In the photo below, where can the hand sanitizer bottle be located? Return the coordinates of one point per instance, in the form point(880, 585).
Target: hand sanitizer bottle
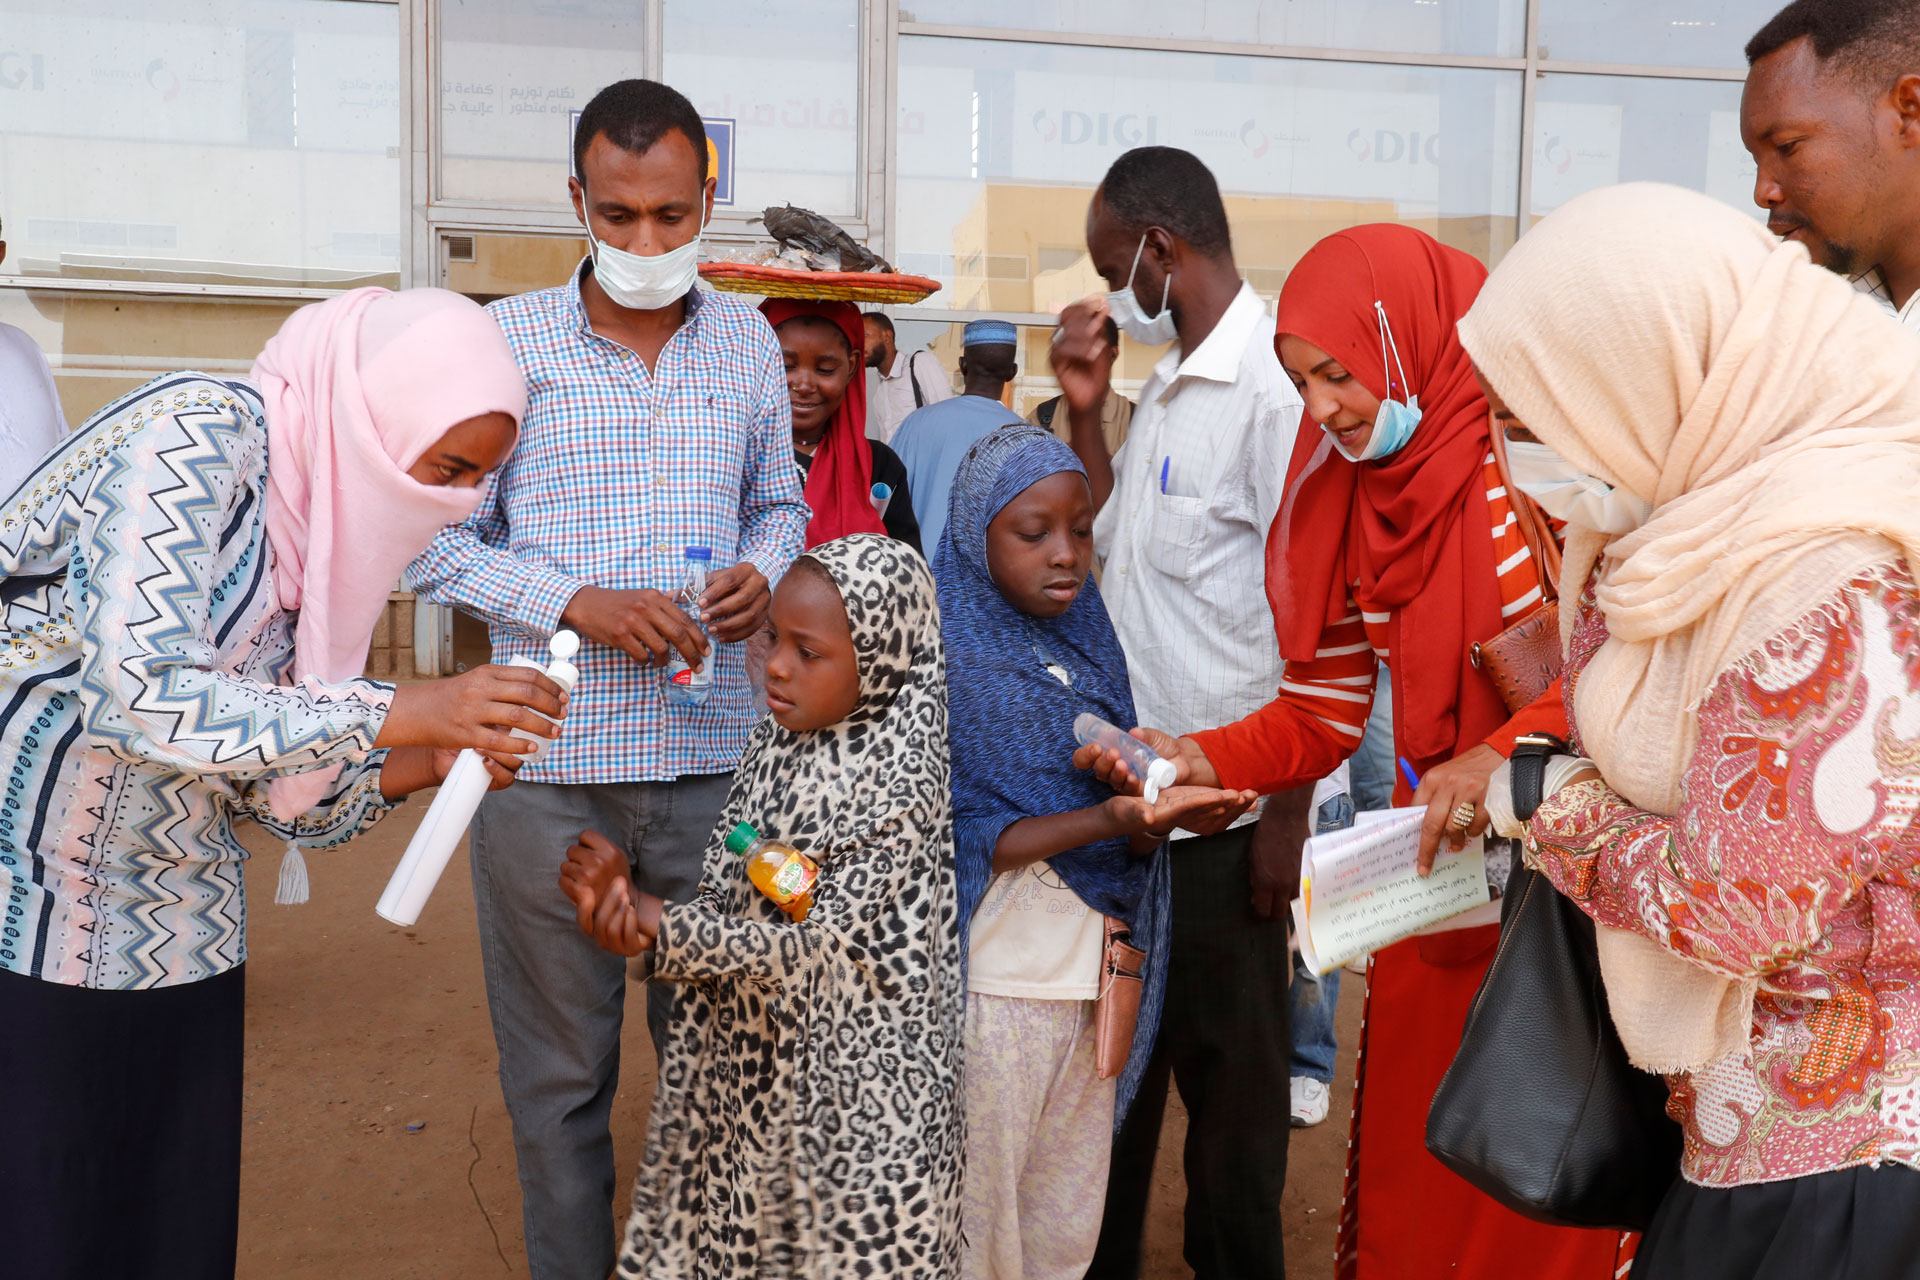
point(1149, 767)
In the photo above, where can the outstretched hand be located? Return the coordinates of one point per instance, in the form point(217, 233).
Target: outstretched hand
point(1204, 811)
point(617, 916)
point(1201, 810)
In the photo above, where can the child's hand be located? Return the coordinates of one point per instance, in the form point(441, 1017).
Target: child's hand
point(1204, 811)
point(627, 921)
point(596, 879)
point(1130, 815)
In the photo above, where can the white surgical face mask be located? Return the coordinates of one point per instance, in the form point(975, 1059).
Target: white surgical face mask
point(1149, 331)
point(645, 284)
point(1567, 493)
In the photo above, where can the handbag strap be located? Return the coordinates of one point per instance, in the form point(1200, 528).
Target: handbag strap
point(1531, 519)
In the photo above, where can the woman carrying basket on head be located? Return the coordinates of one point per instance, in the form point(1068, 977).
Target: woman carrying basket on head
point(853, 484)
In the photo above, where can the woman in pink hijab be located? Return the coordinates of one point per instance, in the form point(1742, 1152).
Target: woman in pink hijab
point(188, 588)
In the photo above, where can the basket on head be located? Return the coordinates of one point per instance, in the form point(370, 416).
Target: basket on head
point(871, 287)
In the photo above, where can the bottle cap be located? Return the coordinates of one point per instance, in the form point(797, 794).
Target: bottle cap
point(1159, 774)
point(564, 645)
point(699, 553)
point(741, 838)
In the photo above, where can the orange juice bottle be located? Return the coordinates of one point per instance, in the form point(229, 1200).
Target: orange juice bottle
point(780, 871)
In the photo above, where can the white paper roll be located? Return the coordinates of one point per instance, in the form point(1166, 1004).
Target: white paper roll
point(453, 808)
point(433, 843)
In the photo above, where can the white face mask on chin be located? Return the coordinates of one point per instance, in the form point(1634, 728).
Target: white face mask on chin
point(645, 284)
point(1149, 331)
point(1567, 493)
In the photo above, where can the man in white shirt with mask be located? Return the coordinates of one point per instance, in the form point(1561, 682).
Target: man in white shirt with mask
point(1183, 512)
point(30, 418)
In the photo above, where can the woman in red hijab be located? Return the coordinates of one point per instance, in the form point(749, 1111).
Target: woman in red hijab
point(853, 484)
point(1396, 543)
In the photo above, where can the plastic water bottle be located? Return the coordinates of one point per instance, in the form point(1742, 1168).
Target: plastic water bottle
point(685, 686)
point(1153, 770)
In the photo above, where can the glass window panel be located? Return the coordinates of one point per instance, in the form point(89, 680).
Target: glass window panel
point(1593, 131)
point(1666, 33)
point(1493, 28)
point(102, 345)
point(1001, 145)
point(222, 141)
point(511, 73)
point(787, 72)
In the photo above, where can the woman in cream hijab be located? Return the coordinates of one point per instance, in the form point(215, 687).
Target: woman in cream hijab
point(1741, 674)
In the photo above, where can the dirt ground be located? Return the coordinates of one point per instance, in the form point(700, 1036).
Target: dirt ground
point(376, 1141)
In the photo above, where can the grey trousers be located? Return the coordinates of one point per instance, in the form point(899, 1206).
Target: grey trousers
point(557, 999)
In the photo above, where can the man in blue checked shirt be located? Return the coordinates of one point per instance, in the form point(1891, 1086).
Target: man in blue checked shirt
point(657, 420)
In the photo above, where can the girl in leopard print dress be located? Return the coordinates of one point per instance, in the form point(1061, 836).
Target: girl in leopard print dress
point(807, 1122)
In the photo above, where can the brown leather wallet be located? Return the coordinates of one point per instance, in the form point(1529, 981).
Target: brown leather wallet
point(1116, 1011)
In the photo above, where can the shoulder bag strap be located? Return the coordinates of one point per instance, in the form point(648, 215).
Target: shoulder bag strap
point(1533, 523)
point(913, 380)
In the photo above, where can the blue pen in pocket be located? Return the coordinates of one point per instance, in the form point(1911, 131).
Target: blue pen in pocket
point(1165, 463)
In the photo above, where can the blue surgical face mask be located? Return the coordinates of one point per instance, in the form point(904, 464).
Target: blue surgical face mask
point(1394, 422)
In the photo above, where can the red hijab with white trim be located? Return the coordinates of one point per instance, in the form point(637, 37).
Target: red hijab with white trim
point(1409, 533)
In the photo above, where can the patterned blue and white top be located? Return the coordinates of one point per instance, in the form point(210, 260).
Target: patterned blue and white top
point(617, 471)
point(141, 710)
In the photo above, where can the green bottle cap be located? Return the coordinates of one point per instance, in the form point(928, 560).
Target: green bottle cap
point(741, 838)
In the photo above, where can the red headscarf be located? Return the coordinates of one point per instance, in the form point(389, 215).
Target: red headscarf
point(1409, 532)
point(840, 482)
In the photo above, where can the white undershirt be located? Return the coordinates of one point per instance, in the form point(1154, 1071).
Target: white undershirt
point(1033, 939)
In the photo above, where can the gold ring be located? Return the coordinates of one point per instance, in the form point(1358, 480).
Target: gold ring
point(1463, 815)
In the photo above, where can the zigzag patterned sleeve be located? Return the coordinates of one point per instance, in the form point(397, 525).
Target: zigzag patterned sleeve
point(352, 805)
point(148, 566)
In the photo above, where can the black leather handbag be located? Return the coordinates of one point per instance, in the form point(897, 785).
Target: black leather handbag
point(1541, 1109)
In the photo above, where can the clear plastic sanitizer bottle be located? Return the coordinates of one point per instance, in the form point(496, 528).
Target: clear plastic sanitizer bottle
point(685, 686)
point(1153, 771)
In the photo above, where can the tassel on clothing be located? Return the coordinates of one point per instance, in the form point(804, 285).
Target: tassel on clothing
point(292, 889)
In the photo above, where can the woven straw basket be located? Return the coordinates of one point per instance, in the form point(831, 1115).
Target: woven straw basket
point(843, 286)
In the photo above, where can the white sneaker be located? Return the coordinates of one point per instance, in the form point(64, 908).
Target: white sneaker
point(1310, 1102)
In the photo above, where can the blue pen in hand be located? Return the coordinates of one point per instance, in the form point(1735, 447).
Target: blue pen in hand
point(1406, 771)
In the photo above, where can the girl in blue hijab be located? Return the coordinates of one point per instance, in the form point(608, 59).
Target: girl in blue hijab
point(1044, 852)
